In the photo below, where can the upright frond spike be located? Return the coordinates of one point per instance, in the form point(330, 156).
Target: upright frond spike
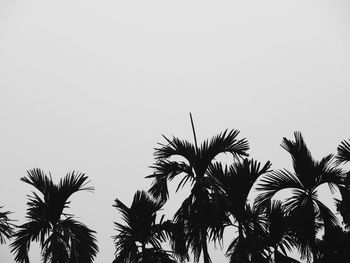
point(194, 133)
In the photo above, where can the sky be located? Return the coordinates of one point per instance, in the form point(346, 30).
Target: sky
point(92, 85)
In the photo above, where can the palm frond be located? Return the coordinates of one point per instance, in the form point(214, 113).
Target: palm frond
point(343, 152)
point(327, 216)
point(6, 227)
point(37, 209)
point(237, 251)
point(280, 232)
point(144, 204)
point(154, 255)
point(218, 171)
point(31, 231)
point(273, 182)
point(124, 210)
point(51, 206)
point(37, 178)
point(176, 234)
point(303, 163)
point(55, 248)
point(72, 183)
point(225, 142)
point(236, 182)
point(176, 147)
point(243, 174)
point(125, 243)
point(165, 171)
point(82, 240)
point(298, 197)
point(126, 251)
point(139, 226)
point(305, 225)
point(328, 172)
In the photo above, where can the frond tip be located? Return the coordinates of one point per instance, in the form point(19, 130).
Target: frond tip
point(6, 227)
point(343, 154)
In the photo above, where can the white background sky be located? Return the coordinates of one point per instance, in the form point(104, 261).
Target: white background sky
point(91, 86)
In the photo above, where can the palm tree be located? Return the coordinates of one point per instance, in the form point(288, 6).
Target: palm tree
point(139, 239)
point(62, 238)
point(6, 227)
point(309, 214)
point(198, 211)
point(234, 184)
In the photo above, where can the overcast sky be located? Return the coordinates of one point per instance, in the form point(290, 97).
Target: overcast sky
point(92, 85)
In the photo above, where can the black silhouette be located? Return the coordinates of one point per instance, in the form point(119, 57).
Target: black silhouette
point(139, 239)
point(234, 185)
point(343, 156)
point(273, 211)
point(198, 213)
point(6, 227)
point(62, 238)
point(308, 213)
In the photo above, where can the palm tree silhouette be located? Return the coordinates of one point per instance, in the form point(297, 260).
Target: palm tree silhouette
point(198, 212)
point(62, 238)
point(309, 214)
point(343, 206)
point(139, 239)
point(6, 227)
point(234, 183)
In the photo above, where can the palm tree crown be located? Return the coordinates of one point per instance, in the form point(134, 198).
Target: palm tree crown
point(62, 238)
point(307, 211)
point(198, 212)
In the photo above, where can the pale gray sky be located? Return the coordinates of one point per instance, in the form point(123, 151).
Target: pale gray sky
point(91, 86)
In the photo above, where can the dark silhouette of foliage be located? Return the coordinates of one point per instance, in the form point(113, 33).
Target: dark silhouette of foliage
point(233, 185)
point(6, 227)
point(334, 246)
point(343, 205)
point(307, 212)
point(198, 214)
point(343, 154)
point(139, 239)
point(273, 211)
point(62, 238)
point(280, 235)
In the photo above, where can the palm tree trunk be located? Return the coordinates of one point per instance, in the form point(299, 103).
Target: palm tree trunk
point(143, 249)
point(206, 258)
point(242, 253)
point(240, 230)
